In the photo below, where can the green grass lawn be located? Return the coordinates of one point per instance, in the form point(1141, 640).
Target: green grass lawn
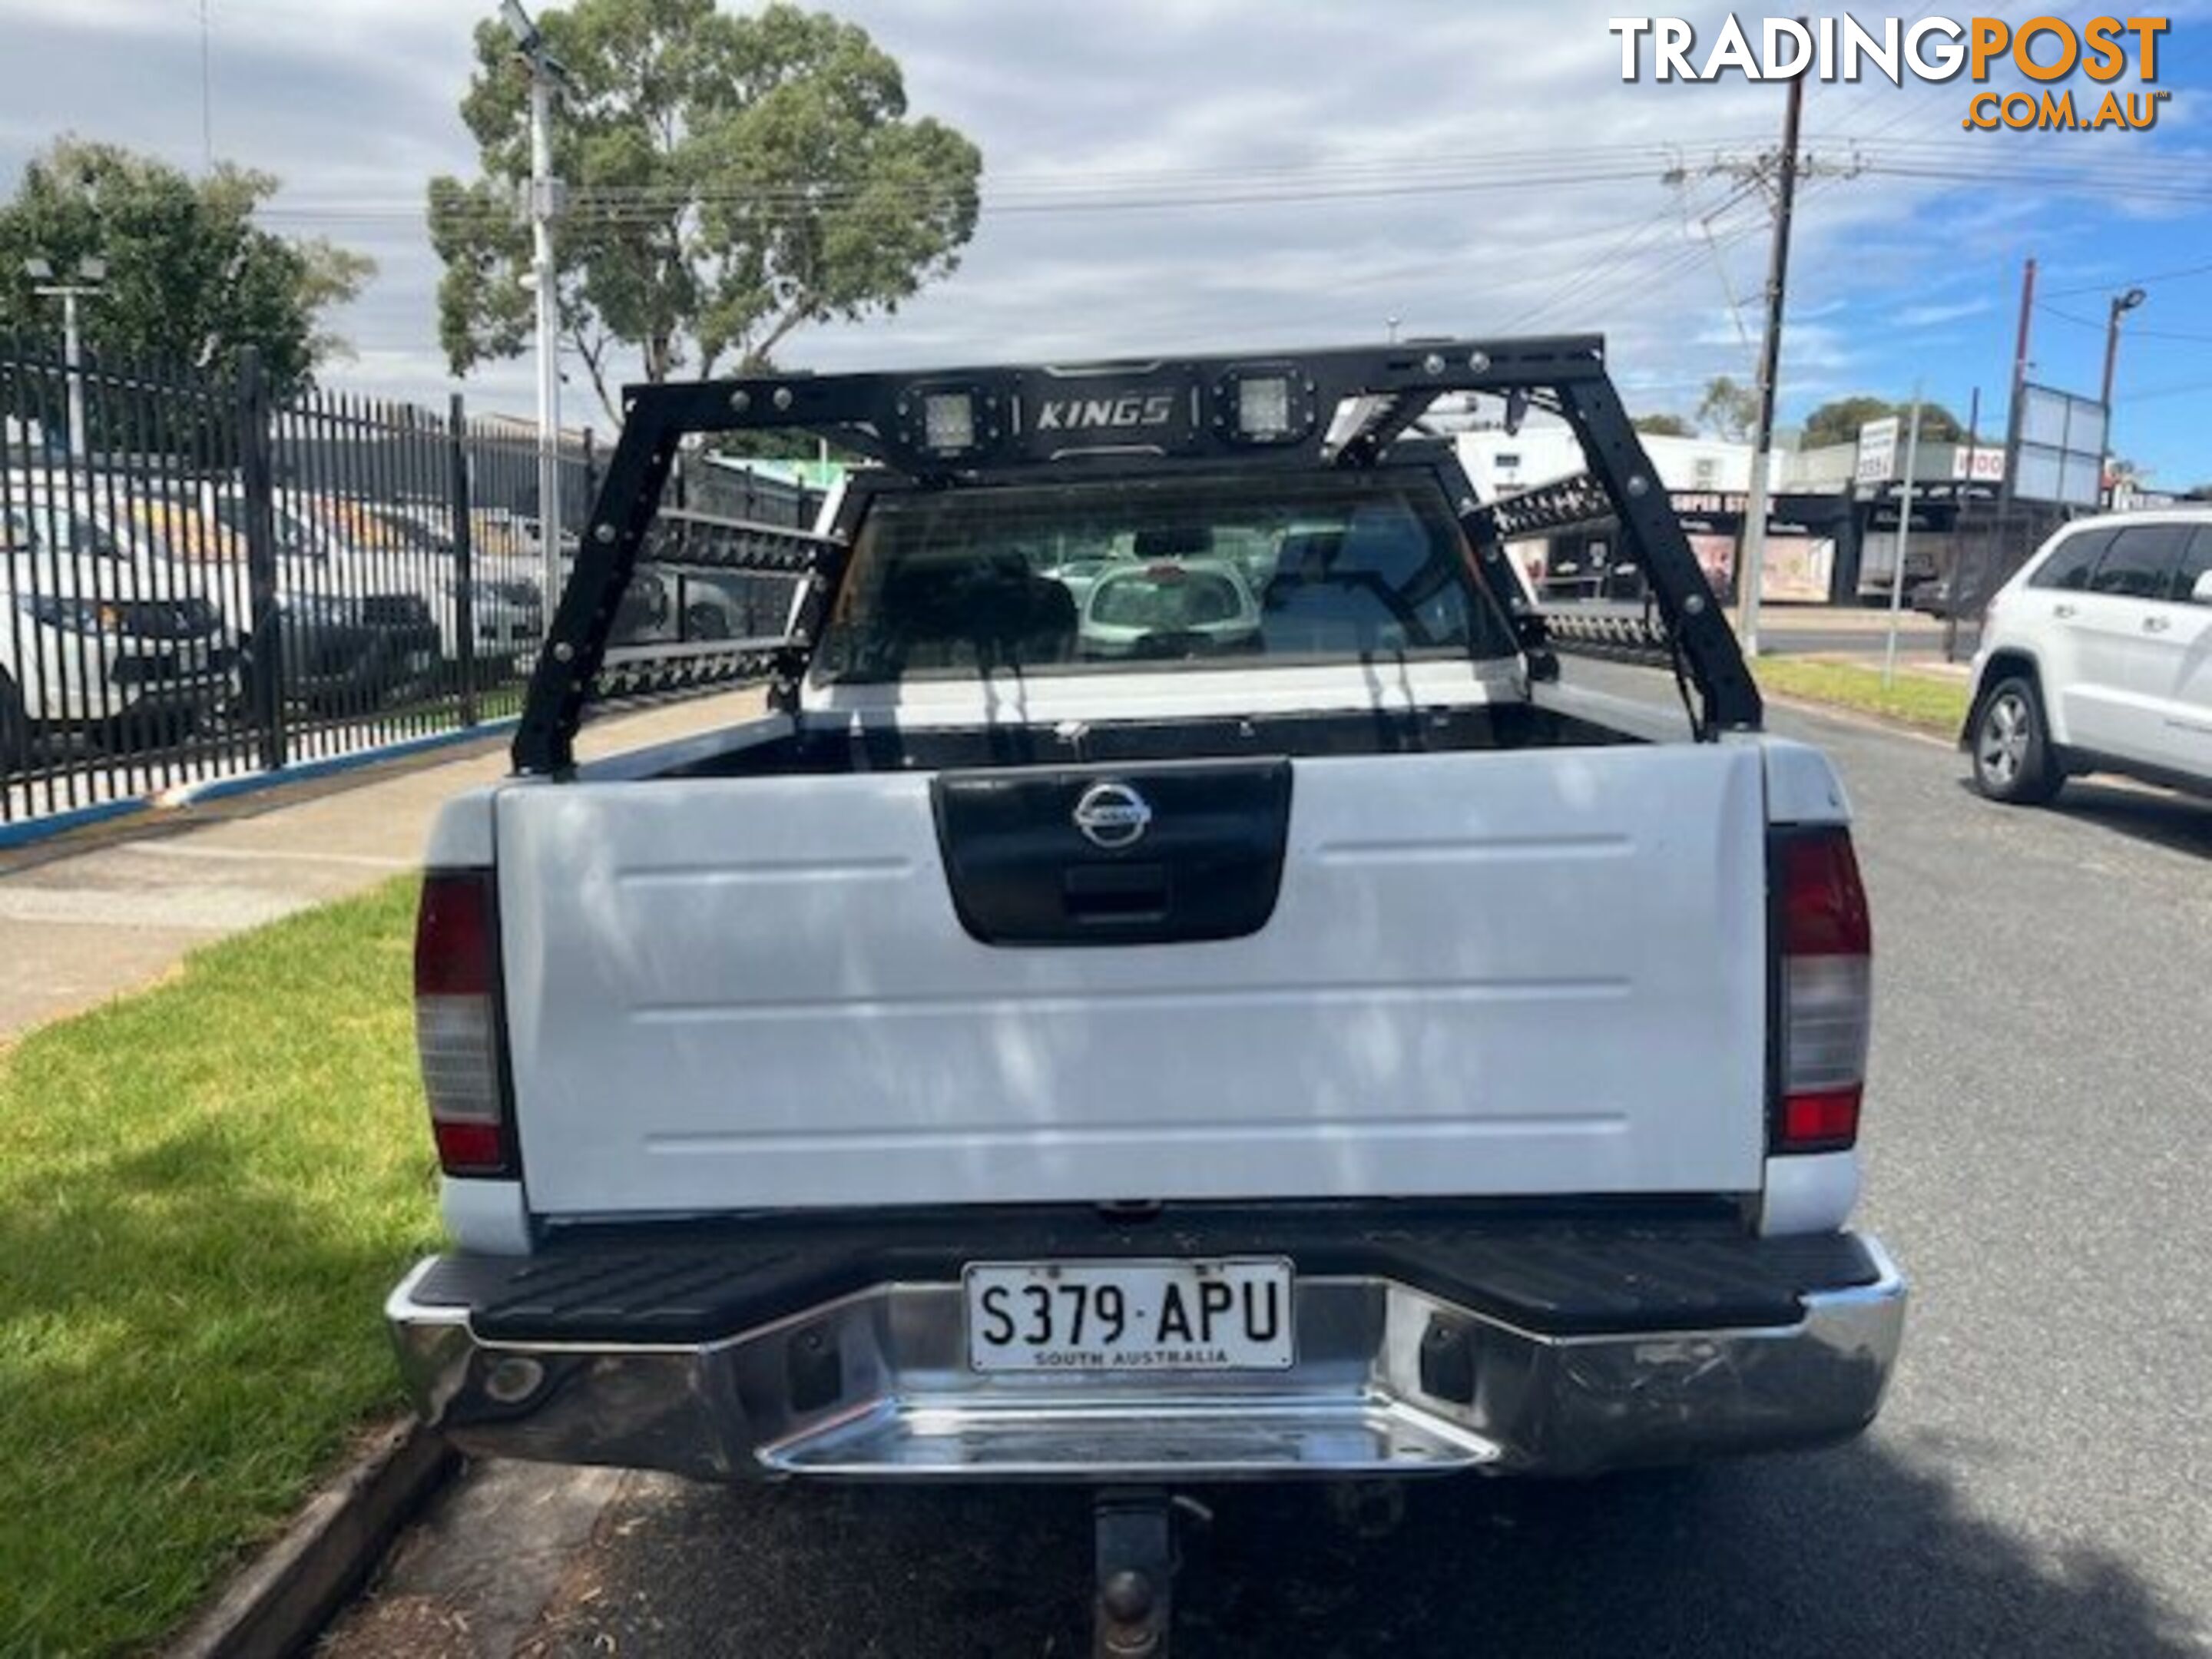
point(1923, 700)
point(205, 1190)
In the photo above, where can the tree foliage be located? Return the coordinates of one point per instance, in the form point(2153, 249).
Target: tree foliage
point(191, 279)
point(1662, 425)
point(733, 179)
point(1838, 421)
point(1729, 408)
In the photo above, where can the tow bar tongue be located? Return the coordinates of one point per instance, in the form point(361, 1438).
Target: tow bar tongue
point(1134, 1596)
point(1132, 1602)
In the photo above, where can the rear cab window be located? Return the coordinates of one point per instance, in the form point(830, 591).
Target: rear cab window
point(1098, 574)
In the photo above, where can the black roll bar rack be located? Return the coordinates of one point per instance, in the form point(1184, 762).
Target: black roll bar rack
point(945, 429)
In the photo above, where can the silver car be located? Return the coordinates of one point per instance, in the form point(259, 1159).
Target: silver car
point(1182, 607)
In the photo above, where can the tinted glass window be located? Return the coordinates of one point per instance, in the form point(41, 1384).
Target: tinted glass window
point(2139, 565)
point(2195, 560)
point(1101, 572)
point(2070, 562)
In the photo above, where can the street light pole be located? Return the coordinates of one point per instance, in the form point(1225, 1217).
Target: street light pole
point(94, 276)
point(73, 356)
point(2121, 304)
point(549, 326)
point(546, 78)
point(1903, 540)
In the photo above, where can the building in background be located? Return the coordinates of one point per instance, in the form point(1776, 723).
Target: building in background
point(1709, 481)
point(1833, 531)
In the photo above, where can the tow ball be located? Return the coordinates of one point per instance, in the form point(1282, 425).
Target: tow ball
point(1134, 1601)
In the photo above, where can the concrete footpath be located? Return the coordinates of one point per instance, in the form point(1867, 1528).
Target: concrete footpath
point(89, 916)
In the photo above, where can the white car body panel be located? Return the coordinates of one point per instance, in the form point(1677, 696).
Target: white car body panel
point(2103, 692)
point(491, 1216)
point(2175, 680)
point(1809, 1192)
point(1802, 785)
point(726, 993)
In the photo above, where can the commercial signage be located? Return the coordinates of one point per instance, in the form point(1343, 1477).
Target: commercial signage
point(1978, 467)
point(1878, 450)
point(2062, 448)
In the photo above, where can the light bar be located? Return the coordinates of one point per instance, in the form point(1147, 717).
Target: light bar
point(1263, 406)
point(1264, 403)
point(948, 422)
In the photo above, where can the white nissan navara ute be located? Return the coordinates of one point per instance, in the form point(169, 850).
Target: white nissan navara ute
point(1328, 1048)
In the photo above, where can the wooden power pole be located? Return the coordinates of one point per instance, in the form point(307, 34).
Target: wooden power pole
point(1751, 567)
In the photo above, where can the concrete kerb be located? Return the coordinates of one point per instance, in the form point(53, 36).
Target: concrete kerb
point(282, 1599)
point(191, 794)
point(25, 833)
point(32, 830)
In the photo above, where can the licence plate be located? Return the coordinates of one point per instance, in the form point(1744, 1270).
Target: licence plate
point(1225, 1316)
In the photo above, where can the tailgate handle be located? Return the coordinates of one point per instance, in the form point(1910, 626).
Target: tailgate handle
point(1107, 893)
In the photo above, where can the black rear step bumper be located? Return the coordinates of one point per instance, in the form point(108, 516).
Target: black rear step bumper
point(1426, 1342)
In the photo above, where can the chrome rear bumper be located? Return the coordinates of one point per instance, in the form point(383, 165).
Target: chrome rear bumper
point(1389, 1380)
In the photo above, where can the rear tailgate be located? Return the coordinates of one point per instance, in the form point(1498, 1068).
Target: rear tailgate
point(1483, 973)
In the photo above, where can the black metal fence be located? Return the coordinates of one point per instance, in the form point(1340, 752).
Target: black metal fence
point(199, 582)
point(1988, 548)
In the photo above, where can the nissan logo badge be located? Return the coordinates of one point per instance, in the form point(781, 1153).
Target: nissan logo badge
point(1112, 816)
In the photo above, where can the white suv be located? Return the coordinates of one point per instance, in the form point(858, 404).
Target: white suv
point(2097, 657)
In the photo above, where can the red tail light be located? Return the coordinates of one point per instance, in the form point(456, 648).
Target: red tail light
point(457, 1026)
point(1825, 994)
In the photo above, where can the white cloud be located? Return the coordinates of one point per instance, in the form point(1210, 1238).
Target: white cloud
point(1540, 216)
point(1930, 316)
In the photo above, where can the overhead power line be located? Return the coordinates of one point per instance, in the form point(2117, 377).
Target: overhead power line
point(2137, 330)
point(2180, 275)
point(1348, 179)
point(624, 208)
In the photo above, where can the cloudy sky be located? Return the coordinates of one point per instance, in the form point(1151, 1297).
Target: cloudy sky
point(1178, 173)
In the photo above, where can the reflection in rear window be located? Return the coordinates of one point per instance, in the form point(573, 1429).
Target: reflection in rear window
point(1098, 572)
point(1168, 598)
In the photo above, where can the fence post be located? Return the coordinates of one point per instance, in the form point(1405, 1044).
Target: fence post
point(257, 473)
point(465, 600)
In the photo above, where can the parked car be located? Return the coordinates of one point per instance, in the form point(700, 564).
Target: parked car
point(1338, 1059)
point(1080, 572)
point(95, 642)
point(354, 635)
point(1174, 607)
point(411, 545)
point(2097, 657)
point(1936, 597)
